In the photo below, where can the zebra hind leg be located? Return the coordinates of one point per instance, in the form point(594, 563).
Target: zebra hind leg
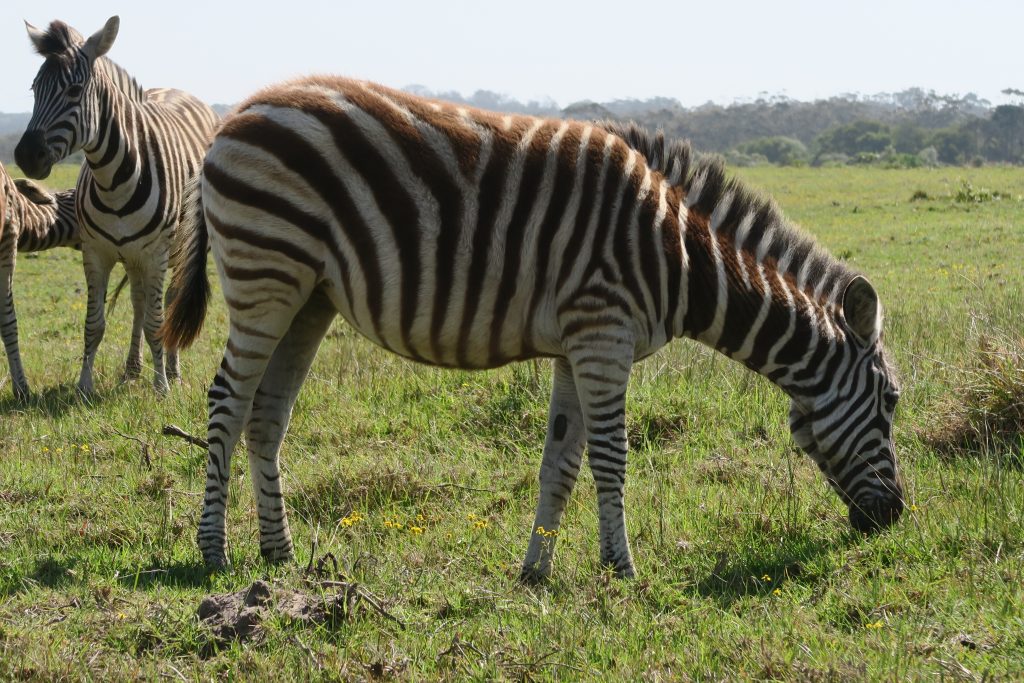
point(253, 336)
point(133, 362)
point(601, 370)
point(563, 451)
point(171, 355)
point(268, 421)
point(153, 281)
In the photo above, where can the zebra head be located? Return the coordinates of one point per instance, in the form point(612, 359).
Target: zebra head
point(846, 427)
point(66, 99)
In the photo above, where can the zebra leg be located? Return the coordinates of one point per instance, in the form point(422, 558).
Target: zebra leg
point(171, 356)
point(253, 336)
point(563, 450)
point(8, 317)
point(601, 371)
point(153, 287)
point(133, 363)
point(97, 275)
point(271, 412)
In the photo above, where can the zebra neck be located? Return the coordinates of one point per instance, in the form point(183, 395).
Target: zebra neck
point(114, 156)
point(761, 305)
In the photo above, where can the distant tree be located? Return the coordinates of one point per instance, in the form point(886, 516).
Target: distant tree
point(954, 145)
point(859, 137)
point(779, 150)
point(908, 138)
point(1005, 138)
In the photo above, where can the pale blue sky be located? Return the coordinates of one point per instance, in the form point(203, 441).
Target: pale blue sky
point(693, 51)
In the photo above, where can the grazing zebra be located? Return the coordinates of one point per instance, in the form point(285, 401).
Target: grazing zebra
point(469, 239)
point(33, 220)
point(140, 149)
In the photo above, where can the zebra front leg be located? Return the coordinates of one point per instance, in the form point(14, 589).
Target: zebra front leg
point(8, 316)
point(268, 420)
point(563, 450)
point(153, 286)
point(601, 371)
point(97, 275)
point(136, 285)
point(230, 400)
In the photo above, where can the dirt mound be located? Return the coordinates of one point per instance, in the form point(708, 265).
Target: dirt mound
point(240, 616)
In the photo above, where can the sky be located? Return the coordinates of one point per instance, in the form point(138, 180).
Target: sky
point(559, 49)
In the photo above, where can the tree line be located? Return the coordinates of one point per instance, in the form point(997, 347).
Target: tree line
point(914, 127)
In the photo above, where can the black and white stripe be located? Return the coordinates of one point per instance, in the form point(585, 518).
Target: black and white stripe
point(33, 220)
point(463, 238)
point(141, 147)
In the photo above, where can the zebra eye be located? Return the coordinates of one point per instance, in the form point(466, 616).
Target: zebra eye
point(74, 91)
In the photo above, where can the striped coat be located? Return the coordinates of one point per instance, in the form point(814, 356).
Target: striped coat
point(33, 220)
point(141, 147)
point(465, 238)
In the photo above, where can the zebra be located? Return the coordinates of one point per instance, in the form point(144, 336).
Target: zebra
point(469, 239)
point(141, 146)
point(32, 220)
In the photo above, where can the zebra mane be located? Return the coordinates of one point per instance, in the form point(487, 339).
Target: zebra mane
point(727, 202)
point(58, 41)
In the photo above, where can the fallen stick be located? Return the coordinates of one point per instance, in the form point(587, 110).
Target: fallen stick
point(174, 430)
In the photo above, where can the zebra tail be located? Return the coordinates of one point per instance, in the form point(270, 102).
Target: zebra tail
point(190, 286)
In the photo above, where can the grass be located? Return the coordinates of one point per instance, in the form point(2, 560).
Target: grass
point(747, 567)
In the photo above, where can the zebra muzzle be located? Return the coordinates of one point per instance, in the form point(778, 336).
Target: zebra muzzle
point(32, 155)
point(874, 515)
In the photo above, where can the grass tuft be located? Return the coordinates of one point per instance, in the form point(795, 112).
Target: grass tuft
point(985, 413)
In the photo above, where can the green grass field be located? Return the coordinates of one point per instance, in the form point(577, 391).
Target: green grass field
point(747, 567)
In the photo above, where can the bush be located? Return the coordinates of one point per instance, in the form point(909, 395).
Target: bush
point(778, 150)
point(831, 160)
point(741, 160)
point(929, 157)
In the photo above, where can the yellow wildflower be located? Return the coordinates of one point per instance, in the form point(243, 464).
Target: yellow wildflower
point(766, 577)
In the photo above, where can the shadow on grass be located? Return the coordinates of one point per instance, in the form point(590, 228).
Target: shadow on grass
point(762, 570)
point(54, 401)
point(169, 575)
point(60, 572)
point(54, 573)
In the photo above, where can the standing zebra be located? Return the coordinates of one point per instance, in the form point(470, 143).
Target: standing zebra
point(468, 239)
point(33, 220)
point(140, 149)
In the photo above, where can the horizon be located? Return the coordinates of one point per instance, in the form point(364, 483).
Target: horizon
point(563, 53)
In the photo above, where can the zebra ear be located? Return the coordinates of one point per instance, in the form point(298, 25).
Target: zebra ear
point(862, 310)
point(101, 41)
point(38, 38)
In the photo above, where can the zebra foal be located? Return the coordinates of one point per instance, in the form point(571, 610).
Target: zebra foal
point(33, 220)
point(464, 238)
point(141, 146)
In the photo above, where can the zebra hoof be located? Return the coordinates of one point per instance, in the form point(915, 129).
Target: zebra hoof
point(85, 391)
point(216, 560)
point(277, 556)
point(623, 568)
point(130, 374)
point(22, 393)
point(534, 575)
